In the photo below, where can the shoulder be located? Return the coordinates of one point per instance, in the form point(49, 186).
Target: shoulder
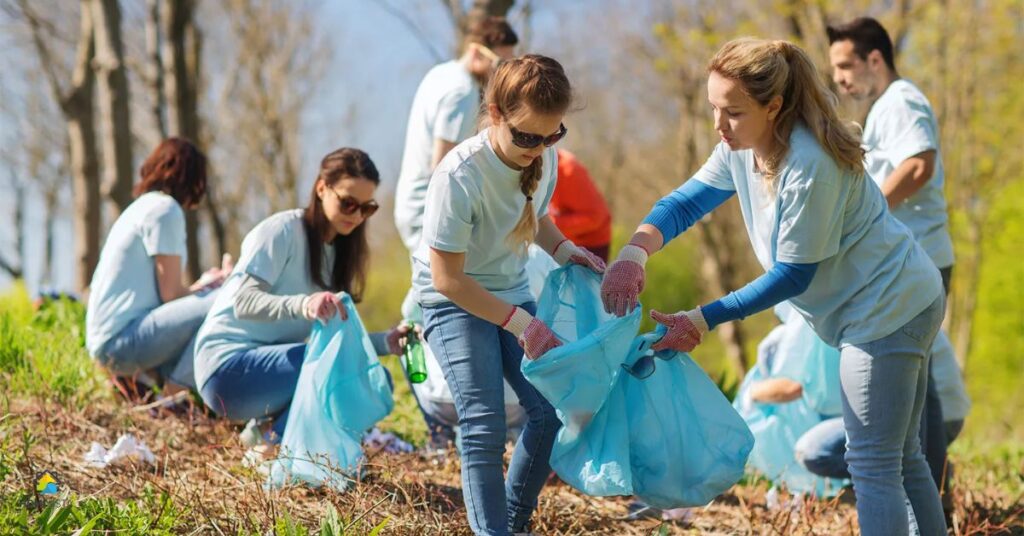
point(807, 158)
point(287, 222)
point(158, 206)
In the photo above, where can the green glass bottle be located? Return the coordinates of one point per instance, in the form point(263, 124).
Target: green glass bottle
point(413, 360)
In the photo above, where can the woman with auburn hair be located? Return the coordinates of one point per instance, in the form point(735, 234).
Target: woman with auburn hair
point(140, 316)
point(824, 235)
point(250, 349)
point(486, 203)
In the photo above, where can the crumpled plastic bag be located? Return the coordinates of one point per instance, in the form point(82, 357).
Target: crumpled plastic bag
point(127, 447)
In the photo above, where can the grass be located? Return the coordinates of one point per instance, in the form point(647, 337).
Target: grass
point(54, 403)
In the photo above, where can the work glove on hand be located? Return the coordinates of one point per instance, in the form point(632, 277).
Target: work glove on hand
point(566, 252)
point(624, 280)
point(535, 337)
point(685, 330)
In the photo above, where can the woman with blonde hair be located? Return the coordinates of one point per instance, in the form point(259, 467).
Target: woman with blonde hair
point(486, 203)
point(822, 231)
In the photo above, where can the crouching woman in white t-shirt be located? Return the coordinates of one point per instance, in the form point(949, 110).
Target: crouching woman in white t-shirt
point(249, 351)
point(140, 317)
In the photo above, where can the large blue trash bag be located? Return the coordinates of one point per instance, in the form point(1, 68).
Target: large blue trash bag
point(810, 361)
point(672, 439)
point(342, 391)
point(687, 443)
point(790, 351)
point(578, 377)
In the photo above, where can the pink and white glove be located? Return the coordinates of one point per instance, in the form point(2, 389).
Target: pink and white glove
point(685, 330)
point(624, 280)
point(535, 338)
point(566, 252)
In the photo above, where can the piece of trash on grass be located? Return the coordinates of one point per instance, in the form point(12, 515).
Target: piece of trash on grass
point(126, 447)
point(387, 442)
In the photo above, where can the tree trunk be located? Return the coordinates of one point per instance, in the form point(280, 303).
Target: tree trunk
point(115, 116)
point(156, 66)
point(16, 270)
point(78, 109)
point(182, 112)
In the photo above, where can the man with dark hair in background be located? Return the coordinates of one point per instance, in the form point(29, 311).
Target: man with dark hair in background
point(901, 137)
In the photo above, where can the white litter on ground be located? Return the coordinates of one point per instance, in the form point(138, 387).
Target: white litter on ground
point(127, 447)
point(387, 442)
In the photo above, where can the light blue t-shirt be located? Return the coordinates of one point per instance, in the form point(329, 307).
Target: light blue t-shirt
point(124, 285)
point(872, 276)
point(900, 125)
point(276, 252)
point(473, 202)
point(445, 108)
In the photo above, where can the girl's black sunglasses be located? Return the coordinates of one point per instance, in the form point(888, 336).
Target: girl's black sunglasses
point(526, 140)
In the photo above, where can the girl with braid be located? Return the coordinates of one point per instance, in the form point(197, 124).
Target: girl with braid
point(486, 203)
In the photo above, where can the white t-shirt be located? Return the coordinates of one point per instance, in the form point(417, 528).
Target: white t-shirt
point(445, 108)
point(277, 252)
point(473, 202)
point(900, 125)
point(872, 277)
point(124, 285)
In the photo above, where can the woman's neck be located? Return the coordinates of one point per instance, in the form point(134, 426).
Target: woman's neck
point(492, 136)
point(329, 235)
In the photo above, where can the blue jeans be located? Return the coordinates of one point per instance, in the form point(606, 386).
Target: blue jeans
point(822, 449)
point(163, 338)
point(474, 355)
point(256, 383)
point(884, 384)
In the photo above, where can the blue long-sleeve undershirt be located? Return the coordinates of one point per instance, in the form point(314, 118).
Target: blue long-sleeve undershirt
point(783, 281)
point(679, 210)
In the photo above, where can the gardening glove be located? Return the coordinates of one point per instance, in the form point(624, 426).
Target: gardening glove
point(566, 252)
point(624, 280)
point(685, 330)
point(535, 338)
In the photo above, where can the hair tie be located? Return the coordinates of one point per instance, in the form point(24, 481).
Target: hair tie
point(529, 198)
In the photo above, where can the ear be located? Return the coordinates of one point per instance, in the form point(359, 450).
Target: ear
point(494, 114)
point(875, 60)
point(318, 187)
point(774, 106)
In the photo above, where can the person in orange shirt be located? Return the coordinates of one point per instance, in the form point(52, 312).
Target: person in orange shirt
point(578, 208)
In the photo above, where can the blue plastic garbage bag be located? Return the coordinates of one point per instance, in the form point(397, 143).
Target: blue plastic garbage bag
point(342, 391)
point(807, 359)
point(672, 439)
point(578, 377)
point(785, 352)
point(687, 443)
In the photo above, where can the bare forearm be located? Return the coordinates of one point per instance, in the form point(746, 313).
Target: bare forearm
point(909, 177)
point(465, 292)
point(548, 235)
point(648, 237)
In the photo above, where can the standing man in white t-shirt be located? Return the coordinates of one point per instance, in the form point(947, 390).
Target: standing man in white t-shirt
point(444, 113)
point(901, 137)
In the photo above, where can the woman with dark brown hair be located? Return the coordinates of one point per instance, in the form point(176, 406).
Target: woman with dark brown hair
point(140, 316)
point(250, 349)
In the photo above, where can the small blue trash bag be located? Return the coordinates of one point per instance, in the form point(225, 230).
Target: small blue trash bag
point(342, 391)
point(671, 439)
point(791, 350)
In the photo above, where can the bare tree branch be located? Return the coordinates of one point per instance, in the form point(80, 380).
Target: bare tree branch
point(414, 28)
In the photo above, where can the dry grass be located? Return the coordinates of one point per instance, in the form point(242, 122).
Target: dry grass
point(199, 468)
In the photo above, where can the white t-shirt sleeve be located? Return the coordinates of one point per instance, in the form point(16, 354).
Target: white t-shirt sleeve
point(810, 215)
point(163, 230)
point(448, 220)
point(456, 116)
point(716, 172)
point(910, 131)
point(269, 252)
point(551, 172)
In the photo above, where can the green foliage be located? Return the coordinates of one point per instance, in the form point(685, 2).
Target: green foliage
point(152, 514)
point(995, 369)
point(42, 351)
